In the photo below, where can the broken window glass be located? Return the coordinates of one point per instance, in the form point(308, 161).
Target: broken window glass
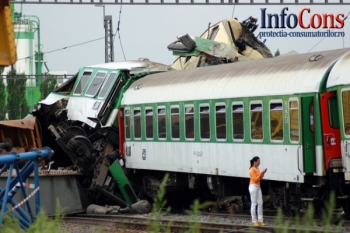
point(96, 84)
point(107, 85)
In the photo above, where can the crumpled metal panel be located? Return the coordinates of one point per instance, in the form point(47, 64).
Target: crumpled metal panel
point(52, 98)
point(340, 72)
point(276, 76)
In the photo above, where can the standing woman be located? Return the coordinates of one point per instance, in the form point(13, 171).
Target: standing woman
point(255, 191)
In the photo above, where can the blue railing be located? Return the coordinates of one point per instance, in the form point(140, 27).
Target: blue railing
point(16, 180)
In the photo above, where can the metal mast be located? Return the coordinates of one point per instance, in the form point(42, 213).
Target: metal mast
point(109, 48)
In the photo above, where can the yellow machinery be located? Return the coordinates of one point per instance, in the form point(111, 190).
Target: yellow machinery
point(7, 39)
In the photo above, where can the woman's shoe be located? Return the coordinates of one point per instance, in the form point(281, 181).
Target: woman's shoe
point(262, 224)
point(256, 224)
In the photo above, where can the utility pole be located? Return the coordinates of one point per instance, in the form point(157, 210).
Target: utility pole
point(107, 25)
point(109, 48)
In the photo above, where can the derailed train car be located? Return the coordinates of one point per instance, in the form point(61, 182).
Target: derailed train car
point(202, 126)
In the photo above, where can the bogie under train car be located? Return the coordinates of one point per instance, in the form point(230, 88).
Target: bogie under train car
point(203, 125)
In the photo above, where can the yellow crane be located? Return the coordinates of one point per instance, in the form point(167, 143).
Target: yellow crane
point(8, 55)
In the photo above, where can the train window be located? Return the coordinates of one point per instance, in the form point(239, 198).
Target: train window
point(346, 111)
point(204, 112)
point(161, 122)
point(294, 120)
point(107, 85)
point(137, 123)
point(238, 121)
point(82, 82)
point(189, 122)
point(333, 112)
point(149, 123)
point(220, 121)
point(175, 122)
point(96, 84)
point(276, 121)
point(214, 32)
point(256, 121)
point(127, 123)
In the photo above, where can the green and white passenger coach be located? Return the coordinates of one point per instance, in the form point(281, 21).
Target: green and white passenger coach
point(204, 125)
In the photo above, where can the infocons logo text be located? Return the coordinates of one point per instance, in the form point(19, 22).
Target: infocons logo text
point(306, 20)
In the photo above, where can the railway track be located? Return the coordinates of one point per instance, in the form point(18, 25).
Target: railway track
point(127, 223)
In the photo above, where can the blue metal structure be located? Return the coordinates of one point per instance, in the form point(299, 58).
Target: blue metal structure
point(15, 181)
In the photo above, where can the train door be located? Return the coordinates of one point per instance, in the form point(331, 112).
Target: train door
point(121, 132)
point(308, 132)
point(330, 130)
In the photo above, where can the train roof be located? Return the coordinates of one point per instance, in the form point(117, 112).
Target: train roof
point(340, 72)
point(134, 66)
point(301, 73)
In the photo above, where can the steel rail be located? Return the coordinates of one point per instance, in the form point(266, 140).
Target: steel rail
point(144, 223)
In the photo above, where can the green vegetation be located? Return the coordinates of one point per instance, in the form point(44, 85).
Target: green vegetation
point(16, 99)
point(158, 204)
point(306, 223)
point(3, 105)
point(42, 223)
point(47, 86)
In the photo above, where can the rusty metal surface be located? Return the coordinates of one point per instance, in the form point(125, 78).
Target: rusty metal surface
point(24, 134)
point(27, 123)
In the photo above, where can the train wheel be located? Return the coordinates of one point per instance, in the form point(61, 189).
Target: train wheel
point(346, 208)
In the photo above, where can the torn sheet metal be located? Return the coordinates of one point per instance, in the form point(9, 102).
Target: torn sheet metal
point(209, 47)
point(238, 38)
point(52, 98)
point(143, 65)
point(81, 109)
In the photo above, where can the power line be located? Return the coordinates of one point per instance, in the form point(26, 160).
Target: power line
point(233, 11)
point(55, 50)
point(331, 31)
point(118, 31)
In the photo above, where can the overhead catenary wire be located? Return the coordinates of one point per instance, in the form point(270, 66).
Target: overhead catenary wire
point(66, 47)
point(331, 31)
point(118, 30)
point(233, 11)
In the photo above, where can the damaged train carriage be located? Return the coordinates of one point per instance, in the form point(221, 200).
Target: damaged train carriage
point(80, 121)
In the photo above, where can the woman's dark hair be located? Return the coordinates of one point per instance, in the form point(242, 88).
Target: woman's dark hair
point(256, 158)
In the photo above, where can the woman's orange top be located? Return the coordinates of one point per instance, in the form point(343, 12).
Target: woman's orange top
point(255, 176)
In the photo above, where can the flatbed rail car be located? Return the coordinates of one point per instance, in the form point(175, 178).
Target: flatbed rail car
point(204, 125)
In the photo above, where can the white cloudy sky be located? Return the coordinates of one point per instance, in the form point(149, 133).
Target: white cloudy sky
point(147, 30)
